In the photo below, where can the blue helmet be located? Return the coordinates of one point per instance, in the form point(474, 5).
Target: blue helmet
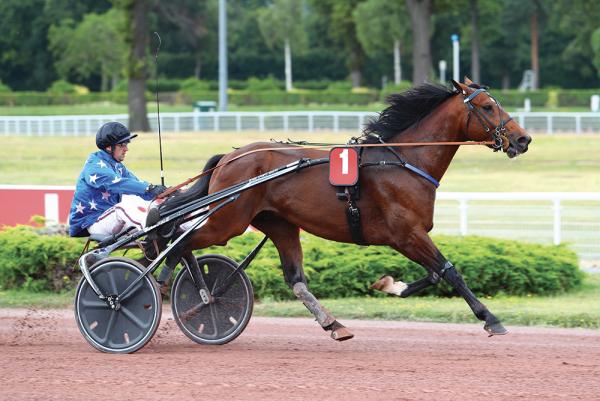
point(111, 134)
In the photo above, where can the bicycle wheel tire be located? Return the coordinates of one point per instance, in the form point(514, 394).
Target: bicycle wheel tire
point(133, 325)
point(222, 320)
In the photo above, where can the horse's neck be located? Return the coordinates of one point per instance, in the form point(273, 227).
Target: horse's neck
point(443, 124)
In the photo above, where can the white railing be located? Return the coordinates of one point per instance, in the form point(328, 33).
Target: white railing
point(267, 121)
point(545, 217)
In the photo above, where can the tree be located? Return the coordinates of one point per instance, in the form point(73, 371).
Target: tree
point(380, 23)
point(596, 48)
point(73, 54)
point(191, 17)
point(281, 23)
point(342, 28)
point(420, 16)
point(137, 38)
point(475, 68)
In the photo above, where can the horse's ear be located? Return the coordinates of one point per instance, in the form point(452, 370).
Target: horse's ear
point(459, 87)
point(468, 81)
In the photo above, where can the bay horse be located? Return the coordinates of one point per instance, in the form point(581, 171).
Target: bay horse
point(396, 204)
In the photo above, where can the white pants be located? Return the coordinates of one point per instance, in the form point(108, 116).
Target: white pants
point(130, 212)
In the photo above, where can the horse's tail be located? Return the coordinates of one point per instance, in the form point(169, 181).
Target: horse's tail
point(198, 190)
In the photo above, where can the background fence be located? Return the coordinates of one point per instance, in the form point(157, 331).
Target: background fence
point(543, 217)
point(264, 121)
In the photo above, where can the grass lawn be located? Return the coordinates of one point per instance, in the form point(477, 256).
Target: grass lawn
point(580, 308)
point(554, 163)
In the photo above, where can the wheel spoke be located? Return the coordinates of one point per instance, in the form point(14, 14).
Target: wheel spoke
point(191, 313)
point(111, 279)
point(109, 326)
point(95, 304)
point(132, 318)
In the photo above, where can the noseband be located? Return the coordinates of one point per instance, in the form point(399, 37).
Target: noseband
point(499, 133)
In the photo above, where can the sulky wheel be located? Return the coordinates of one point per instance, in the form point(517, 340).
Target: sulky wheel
point(229, 311)
point(133, 324)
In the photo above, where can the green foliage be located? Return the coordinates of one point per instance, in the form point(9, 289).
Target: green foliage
point(70, 44)
point(263, 85)
point(576, 97)
point(489, 266)
point(37, 262)
point(62, 87)
point(596, 49)
point(393, 88)
point(194, 84)
point(4, 88)
point(392, 23)
point(515, 98)
point(280, 21)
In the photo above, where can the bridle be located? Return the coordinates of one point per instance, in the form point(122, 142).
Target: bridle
point(501, 141)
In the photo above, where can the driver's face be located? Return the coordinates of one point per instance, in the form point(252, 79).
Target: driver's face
point(120, 151)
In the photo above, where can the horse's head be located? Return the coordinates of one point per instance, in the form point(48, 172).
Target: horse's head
point(491, 121)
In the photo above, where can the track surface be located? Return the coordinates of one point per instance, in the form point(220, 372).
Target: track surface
point(44, 357)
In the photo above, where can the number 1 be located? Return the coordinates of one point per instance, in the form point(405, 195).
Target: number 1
point(344, 157)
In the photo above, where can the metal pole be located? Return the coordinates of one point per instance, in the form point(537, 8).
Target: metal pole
point(222, 55)
point(455, 58)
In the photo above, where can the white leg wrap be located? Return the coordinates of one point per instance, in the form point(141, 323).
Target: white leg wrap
point(312, 304)
point(388, 285)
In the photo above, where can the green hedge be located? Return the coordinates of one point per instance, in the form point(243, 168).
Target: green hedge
point(490, 266)
point(576, 98)
point(37, 262)
point(265, 92)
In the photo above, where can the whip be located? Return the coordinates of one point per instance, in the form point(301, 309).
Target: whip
point(162, 172)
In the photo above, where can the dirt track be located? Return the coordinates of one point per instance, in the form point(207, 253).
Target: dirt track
point(43, 357)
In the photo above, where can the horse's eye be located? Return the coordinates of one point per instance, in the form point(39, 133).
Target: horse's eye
point(488, 108)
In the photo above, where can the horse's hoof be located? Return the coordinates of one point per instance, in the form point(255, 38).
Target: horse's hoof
point(495, 329)
point(389, 286)
point(341, 334)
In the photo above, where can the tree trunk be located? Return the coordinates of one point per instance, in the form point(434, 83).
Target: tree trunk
point(138, 69)
point(288, 65)
point(103, 81)
point(475, 67)
point(198, 65)
point(397, 63)
point(420, 17)
point(505, 80)
point(535, 66)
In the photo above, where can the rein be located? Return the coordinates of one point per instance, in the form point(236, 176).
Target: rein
point(324, 146)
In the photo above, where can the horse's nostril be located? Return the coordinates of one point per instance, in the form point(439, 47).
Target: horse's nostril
point(524, 140)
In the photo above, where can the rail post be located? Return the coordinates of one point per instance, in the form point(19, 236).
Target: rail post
point(557, 219)
point(463, 208)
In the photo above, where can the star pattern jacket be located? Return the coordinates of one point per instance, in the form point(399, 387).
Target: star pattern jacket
point(100, 186)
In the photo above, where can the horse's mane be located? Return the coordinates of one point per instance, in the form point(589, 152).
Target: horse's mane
point(405, 109)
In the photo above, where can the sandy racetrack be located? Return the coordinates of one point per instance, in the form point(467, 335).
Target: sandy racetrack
point(44, 357)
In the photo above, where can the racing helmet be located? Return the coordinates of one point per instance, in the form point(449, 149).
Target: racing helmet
point(111, 134)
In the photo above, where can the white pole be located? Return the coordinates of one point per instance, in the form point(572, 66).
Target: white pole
point(442, 65)
point(455, 58)
point(288, 65)
point(397, 69)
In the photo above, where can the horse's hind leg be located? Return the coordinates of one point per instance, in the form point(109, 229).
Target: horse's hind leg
point(286, 238)
point(422, 250)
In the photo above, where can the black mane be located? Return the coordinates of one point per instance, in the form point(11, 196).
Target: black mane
point(405, 109)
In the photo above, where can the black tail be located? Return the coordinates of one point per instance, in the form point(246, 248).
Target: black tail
point(198, 190)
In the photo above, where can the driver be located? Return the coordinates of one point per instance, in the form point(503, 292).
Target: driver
point(98, 206)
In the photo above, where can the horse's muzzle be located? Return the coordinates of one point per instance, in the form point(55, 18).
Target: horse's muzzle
point(518, 145)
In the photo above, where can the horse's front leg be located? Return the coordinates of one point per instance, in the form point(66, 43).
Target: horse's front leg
point(422, 250)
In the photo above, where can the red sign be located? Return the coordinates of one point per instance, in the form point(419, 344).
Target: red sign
point(343, 166)
point(20, 202)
